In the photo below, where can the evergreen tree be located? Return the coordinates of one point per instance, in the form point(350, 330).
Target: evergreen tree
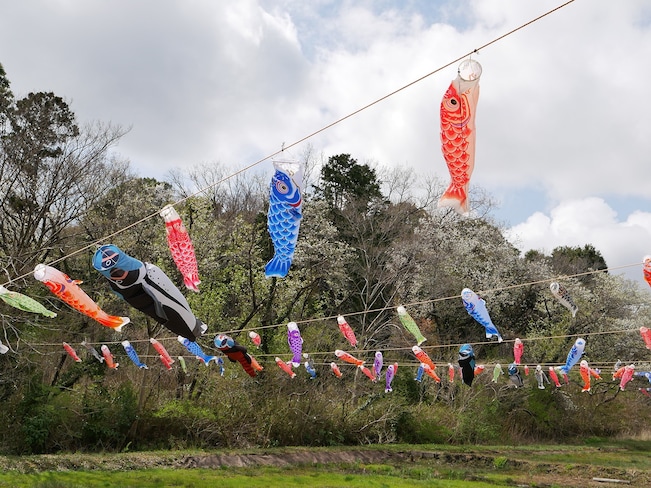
point(344, 180)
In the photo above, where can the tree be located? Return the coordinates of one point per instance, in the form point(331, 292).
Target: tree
point(51, 172)
point(6, 99)
point(575, 260)
point(343, 180)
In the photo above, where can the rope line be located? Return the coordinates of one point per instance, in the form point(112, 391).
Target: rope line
point(434, 300)
point(383, 349)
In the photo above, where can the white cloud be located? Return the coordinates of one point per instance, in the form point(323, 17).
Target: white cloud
point(589, 221)
point(563, 105)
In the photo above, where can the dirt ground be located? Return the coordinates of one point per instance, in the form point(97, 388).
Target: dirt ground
point(524, 473)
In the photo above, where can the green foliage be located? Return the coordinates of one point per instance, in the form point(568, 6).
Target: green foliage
point(479, 418)
point(6, 97)
point(500, 462)
point(188, 419)
point(540, 416)
point(571, 260)
point(108, 414)
point(422, 424)
point(45, 418)
point(344, 180)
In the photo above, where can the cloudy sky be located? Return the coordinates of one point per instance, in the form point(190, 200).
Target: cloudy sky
point(563, 120)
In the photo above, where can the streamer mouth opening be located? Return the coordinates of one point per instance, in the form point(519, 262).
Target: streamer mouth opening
point(470, 70)
point(40, 271)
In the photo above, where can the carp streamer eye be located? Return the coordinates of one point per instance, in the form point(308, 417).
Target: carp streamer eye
point(282, 187)
point(452, 104)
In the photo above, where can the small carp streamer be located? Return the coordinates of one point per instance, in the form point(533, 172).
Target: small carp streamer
point(23, 302)
point(574, 355)
point(92, 351)
point(110, 362)
point(646, 336)
point(237, 353)
point(71, 352)
point(349, 358)
point(378, 362)
point(646, 270)
point(423, 357)
point(476, 308)
point(467, 363)
point(410, 324)
point(497, 372)
point(69, 291)
point(563, 296)
point(586, 373)
point(133, 355)
point(347, 330)
point(518, 349)
point(335, 369)
point(295, 342)
point(194, 348)
point(255, 338)
point(540, 377)
point(165, 358)
point(181, 248)
point(286, 367)
point(391, 372)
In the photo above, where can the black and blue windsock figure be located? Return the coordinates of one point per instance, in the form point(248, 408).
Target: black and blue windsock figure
point(467, 363)
point(514, 375)
point(147, 288)
point(236, 352)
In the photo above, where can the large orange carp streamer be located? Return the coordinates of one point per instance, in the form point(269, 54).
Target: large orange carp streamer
point(458, 134)
point(68, 290)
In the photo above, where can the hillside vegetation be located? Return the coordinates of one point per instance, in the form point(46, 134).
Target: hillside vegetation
point(370, 240)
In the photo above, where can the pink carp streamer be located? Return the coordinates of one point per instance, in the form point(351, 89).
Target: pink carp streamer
point(108, 357)
point(286, 367)
point(70, 350)
point(646, 336)
point(554, 377)
point(625, 374)
point(255, 338)
point(450, 372)
point(68, 290)
point(335, 369)
point(164, 355)
point(346, 330)
point(181, 247)
point(518, 349)
point(646, 271)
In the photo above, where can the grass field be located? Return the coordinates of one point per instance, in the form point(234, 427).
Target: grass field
point(398, 466)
